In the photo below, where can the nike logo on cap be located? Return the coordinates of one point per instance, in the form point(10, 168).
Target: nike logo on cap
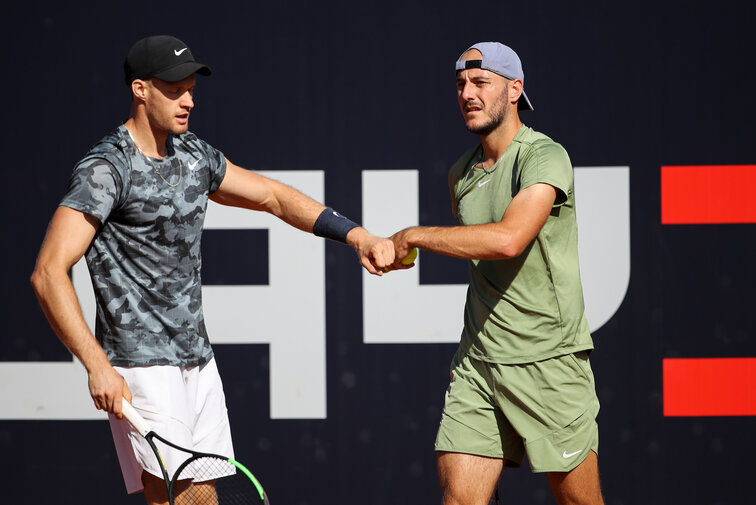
point(565, 455)
point(178, 53)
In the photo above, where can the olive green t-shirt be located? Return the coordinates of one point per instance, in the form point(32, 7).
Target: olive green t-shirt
point(528, 308)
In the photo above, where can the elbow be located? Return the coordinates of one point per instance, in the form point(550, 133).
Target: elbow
point(36, 281)
point(508, 249)
point(509, 252)
point(39, 280)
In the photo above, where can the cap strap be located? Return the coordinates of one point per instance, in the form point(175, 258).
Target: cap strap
point(464, 65)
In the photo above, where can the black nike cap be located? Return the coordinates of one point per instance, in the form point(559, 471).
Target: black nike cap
point(161, 56)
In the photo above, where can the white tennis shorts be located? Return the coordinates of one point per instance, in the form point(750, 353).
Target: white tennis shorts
point(184, 405)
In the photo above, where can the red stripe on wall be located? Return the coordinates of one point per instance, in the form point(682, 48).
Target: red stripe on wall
point(708, 194)
point(710, 387)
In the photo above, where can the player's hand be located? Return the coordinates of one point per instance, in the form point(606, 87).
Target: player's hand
point(375, 253)
point(108, 389)
point(402, 249)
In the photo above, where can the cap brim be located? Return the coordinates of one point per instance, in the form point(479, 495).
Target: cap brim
point(182, 71)
point(524, 103)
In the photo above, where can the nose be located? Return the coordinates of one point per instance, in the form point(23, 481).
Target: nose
point(187, 100)
point(466, 91)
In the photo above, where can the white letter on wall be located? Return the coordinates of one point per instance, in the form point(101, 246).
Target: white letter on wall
point(603, 214)
point(289, 313)
point(397, 309)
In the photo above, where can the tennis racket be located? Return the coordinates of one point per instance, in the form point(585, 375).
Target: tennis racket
point(202, 479)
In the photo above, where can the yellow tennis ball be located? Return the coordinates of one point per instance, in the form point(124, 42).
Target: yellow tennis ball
point(410, 258)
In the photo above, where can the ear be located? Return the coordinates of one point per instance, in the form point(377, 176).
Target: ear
point(139, 89)
point(515, 90)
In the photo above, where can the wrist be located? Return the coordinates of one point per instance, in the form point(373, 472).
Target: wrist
point(330, 224)
point(412, 236)
point(355, 236)
point(94, 359)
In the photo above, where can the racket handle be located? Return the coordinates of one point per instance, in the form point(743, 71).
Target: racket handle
point(135, 419)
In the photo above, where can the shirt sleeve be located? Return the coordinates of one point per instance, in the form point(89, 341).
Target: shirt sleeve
point(94, 188)
point(548, 163)
point(217, 164)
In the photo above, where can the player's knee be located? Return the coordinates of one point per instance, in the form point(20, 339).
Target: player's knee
point(451, 498)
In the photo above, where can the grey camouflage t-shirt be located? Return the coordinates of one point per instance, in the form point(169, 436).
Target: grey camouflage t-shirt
point(145, 258)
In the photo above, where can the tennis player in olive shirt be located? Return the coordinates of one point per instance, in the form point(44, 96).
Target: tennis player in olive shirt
point(521, 382)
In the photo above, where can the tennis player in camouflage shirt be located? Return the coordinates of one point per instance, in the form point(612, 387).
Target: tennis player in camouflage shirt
point(135, 207)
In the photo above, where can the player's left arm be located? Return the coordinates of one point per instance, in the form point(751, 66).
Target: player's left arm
point(249, 190)
point(508, 238)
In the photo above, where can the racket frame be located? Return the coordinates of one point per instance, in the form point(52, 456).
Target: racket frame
point(144, 429)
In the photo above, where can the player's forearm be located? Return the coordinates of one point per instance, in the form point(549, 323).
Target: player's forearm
point(484, 242)
point(61, 307)
point(296, 208)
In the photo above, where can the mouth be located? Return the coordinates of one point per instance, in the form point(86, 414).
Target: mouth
point(472, 107)
point(182, 119)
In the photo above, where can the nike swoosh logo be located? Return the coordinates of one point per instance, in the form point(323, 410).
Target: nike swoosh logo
point(483, 183)
point(565, 455)
point(178, 53)
point(192, 165)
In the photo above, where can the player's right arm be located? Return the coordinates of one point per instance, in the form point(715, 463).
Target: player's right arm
point(69, 235)
point(508, 238)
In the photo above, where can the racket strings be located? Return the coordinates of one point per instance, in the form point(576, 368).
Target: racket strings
point(213, 481)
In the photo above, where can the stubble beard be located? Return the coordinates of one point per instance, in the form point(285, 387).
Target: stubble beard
point(490, 126)
point(498, 113)
point(165, 122)
point(169, 126)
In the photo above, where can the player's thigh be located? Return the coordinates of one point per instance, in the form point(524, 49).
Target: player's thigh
point(578, 486)
point(155, 491)
point(196, 493)
point(552, 404)
point(471, 423)
point(467, 479)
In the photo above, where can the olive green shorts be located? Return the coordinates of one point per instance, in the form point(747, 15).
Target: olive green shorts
point(546, 409)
